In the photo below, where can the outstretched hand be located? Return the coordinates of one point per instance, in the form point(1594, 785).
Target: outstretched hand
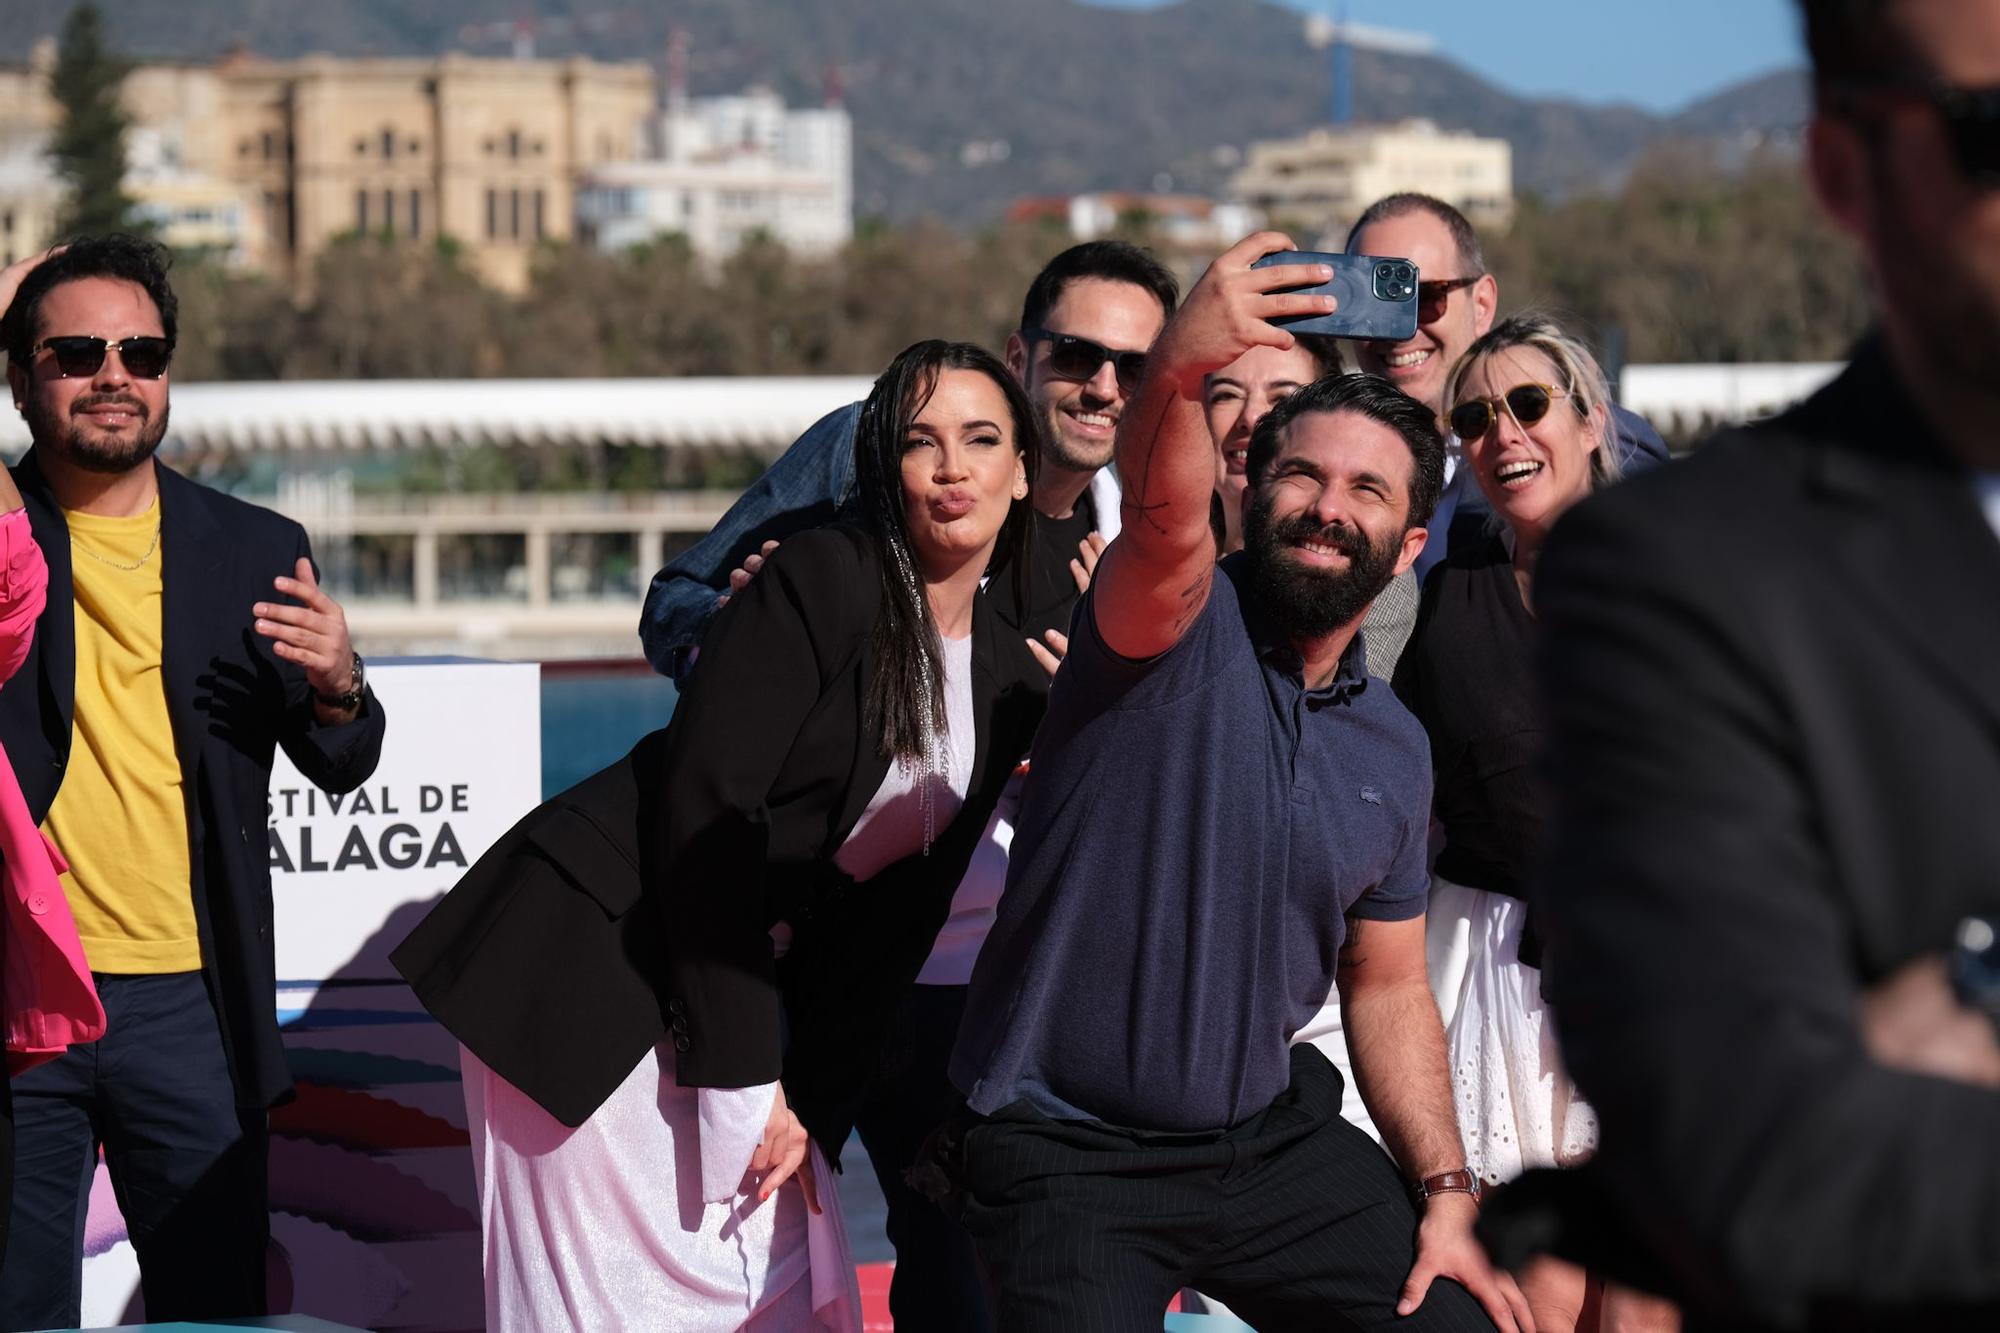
point(1230, 310)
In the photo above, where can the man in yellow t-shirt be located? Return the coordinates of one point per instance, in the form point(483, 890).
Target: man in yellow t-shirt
point(185, 638)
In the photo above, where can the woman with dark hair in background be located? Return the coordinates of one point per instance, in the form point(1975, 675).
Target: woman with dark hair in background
point(1533, 413)
point(671, 982)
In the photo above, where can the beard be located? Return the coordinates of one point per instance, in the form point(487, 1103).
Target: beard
point(1302, 601)
point(1071, 453)
point(88, 448)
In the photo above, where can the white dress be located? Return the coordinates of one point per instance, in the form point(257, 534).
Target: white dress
point(644, 1216)
point(1516, 1105)
point(612, 1225)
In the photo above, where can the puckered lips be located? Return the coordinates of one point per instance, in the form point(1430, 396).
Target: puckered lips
point(954, 502)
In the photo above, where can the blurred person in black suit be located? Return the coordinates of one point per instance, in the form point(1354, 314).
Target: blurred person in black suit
point(1774, 754)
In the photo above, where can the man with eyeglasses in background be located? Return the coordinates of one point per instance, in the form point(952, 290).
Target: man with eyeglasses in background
point(1773, 875)
point(168, 665)
point(1457, 300)
point(1086, 323)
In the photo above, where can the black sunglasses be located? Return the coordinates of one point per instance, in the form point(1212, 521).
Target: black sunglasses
point(1076, 358)
point(1971, 116)
point(145, 357)
point(1526, 403)
point(1432, 295)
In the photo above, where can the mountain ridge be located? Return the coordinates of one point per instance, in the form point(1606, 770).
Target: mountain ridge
point(961, 106)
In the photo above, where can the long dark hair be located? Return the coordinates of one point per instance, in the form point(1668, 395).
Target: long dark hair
point(909, 656)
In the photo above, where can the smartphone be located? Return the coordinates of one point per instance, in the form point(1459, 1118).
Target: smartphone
point(1377, 295)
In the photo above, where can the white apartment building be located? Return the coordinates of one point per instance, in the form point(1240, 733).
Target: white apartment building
point(1320, 182)
point(724, 167)
point(1184, 221)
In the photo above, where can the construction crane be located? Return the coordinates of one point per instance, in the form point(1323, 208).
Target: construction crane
point(1334, 34)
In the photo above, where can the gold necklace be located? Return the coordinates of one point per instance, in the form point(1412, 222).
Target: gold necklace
point(78, 546)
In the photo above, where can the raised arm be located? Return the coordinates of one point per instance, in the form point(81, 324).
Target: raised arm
point(1154, 579)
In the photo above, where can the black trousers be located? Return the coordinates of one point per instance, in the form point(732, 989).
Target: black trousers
point(1295, 1219)
point(937, 1284)
point(187, 1166)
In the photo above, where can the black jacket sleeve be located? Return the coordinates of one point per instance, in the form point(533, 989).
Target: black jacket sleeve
point(764, 663)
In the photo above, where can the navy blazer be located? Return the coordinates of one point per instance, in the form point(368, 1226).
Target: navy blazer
point(232, 702)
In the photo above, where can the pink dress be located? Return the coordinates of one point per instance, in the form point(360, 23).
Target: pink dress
point(49, 1000)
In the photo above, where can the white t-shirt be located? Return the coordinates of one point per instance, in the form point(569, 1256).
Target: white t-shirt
point(977, 901)
point(892, 827)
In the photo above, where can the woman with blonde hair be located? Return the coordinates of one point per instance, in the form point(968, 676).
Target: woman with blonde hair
point(1532, 412)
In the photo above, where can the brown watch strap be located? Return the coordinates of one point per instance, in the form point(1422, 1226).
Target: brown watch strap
point(1461, 1181)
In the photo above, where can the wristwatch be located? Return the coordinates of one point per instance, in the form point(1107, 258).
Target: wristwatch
point(350, 700)
point(1973, 966)
point(1460, 1181)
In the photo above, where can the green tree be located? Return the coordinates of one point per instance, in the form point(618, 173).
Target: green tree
point(88, 147)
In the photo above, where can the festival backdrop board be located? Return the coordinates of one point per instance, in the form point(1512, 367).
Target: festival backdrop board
point(461, 761)
point(374, 1220)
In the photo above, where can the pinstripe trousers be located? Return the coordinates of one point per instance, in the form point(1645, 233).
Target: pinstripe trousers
point(1296, 1219)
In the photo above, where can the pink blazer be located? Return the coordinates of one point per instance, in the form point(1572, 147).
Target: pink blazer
point(46, 992)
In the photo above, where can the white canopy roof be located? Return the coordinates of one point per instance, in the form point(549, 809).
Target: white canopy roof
point(747, 413)
point(1684, 397)
point(738, 413)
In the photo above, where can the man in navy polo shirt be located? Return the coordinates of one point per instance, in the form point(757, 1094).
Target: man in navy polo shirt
point(1223, 806)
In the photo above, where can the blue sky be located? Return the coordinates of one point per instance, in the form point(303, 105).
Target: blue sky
point(1661, 56)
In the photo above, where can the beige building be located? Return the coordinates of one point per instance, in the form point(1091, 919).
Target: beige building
point(1319, 183)
point(486, 152)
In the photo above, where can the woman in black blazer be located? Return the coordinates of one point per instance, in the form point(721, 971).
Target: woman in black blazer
point(671, 982)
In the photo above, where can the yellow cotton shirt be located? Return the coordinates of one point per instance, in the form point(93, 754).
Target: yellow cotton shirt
point(119, 817)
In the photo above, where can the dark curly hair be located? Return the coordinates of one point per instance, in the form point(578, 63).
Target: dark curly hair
point(1378, 400)
point(128, 258)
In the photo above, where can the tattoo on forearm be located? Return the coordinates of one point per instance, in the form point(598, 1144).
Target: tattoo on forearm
point(1193, 598)
point(1139, 499)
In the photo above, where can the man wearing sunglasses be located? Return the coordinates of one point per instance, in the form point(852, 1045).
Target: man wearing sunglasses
point(185, 638)
point(1086, 323)
point(1774, 729)
point(1226, 815)
point(1456, 302)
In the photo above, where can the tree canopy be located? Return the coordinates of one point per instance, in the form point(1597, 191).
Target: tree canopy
point(88, 146)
